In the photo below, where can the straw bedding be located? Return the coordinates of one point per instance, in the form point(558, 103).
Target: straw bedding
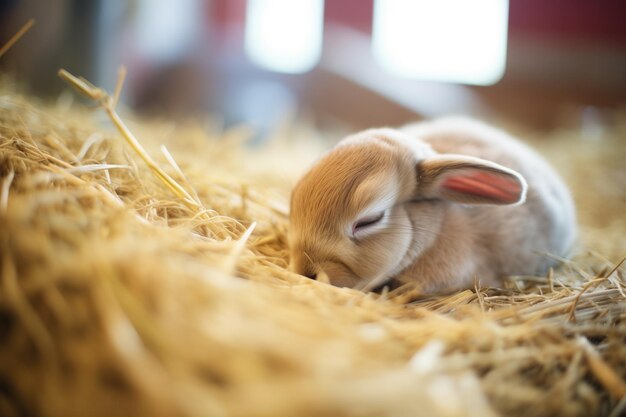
point(118, 298)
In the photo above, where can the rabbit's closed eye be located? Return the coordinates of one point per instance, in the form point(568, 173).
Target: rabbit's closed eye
point(363, 224)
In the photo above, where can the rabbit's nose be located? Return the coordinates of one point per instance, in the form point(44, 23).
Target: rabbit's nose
point(300, 265)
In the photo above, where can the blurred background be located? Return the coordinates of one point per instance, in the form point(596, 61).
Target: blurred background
point(354, 63)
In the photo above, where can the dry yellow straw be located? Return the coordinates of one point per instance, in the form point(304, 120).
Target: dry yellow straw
point(594, 282)
point(17, 36)
point(602, 371)
point(108, 103)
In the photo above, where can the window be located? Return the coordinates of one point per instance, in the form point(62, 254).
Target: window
point(459, 41)
point(284, 35)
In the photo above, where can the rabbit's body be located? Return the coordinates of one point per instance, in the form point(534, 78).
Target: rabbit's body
point(488, 242)
point(415, 205)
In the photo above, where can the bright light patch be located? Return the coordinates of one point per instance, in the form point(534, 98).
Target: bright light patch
point(165, 28)
point(462, 41)
point(284, 35)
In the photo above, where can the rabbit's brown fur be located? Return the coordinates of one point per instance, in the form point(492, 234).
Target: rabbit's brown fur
point(458, 201)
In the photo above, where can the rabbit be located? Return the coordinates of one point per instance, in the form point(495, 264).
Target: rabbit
point(444, 204)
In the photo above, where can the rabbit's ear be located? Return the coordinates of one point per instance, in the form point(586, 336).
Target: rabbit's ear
point(469, 180)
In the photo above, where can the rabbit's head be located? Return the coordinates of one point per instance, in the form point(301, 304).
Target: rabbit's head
point(375, 203)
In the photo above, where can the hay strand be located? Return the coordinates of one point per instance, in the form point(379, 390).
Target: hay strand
point(613, 383)
point(108, 104)
point(18, 35)
point(4, 191)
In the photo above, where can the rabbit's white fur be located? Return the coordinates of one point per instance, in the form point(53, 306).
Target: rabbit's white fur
point(460, 201)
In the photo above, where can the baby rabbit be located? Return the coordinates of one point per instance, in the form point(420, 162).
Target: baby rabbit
point(442, 204)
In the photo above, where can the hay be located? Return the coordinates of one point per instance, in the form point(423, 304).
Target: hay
point(119, 298)
point(18, 35)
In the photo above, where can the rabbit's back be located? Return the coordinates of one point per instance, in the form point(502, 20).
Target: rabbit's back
point(517, 239)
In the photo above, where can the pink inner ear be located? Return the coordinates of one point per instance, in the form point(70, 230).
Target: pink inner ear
point(499, 188)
